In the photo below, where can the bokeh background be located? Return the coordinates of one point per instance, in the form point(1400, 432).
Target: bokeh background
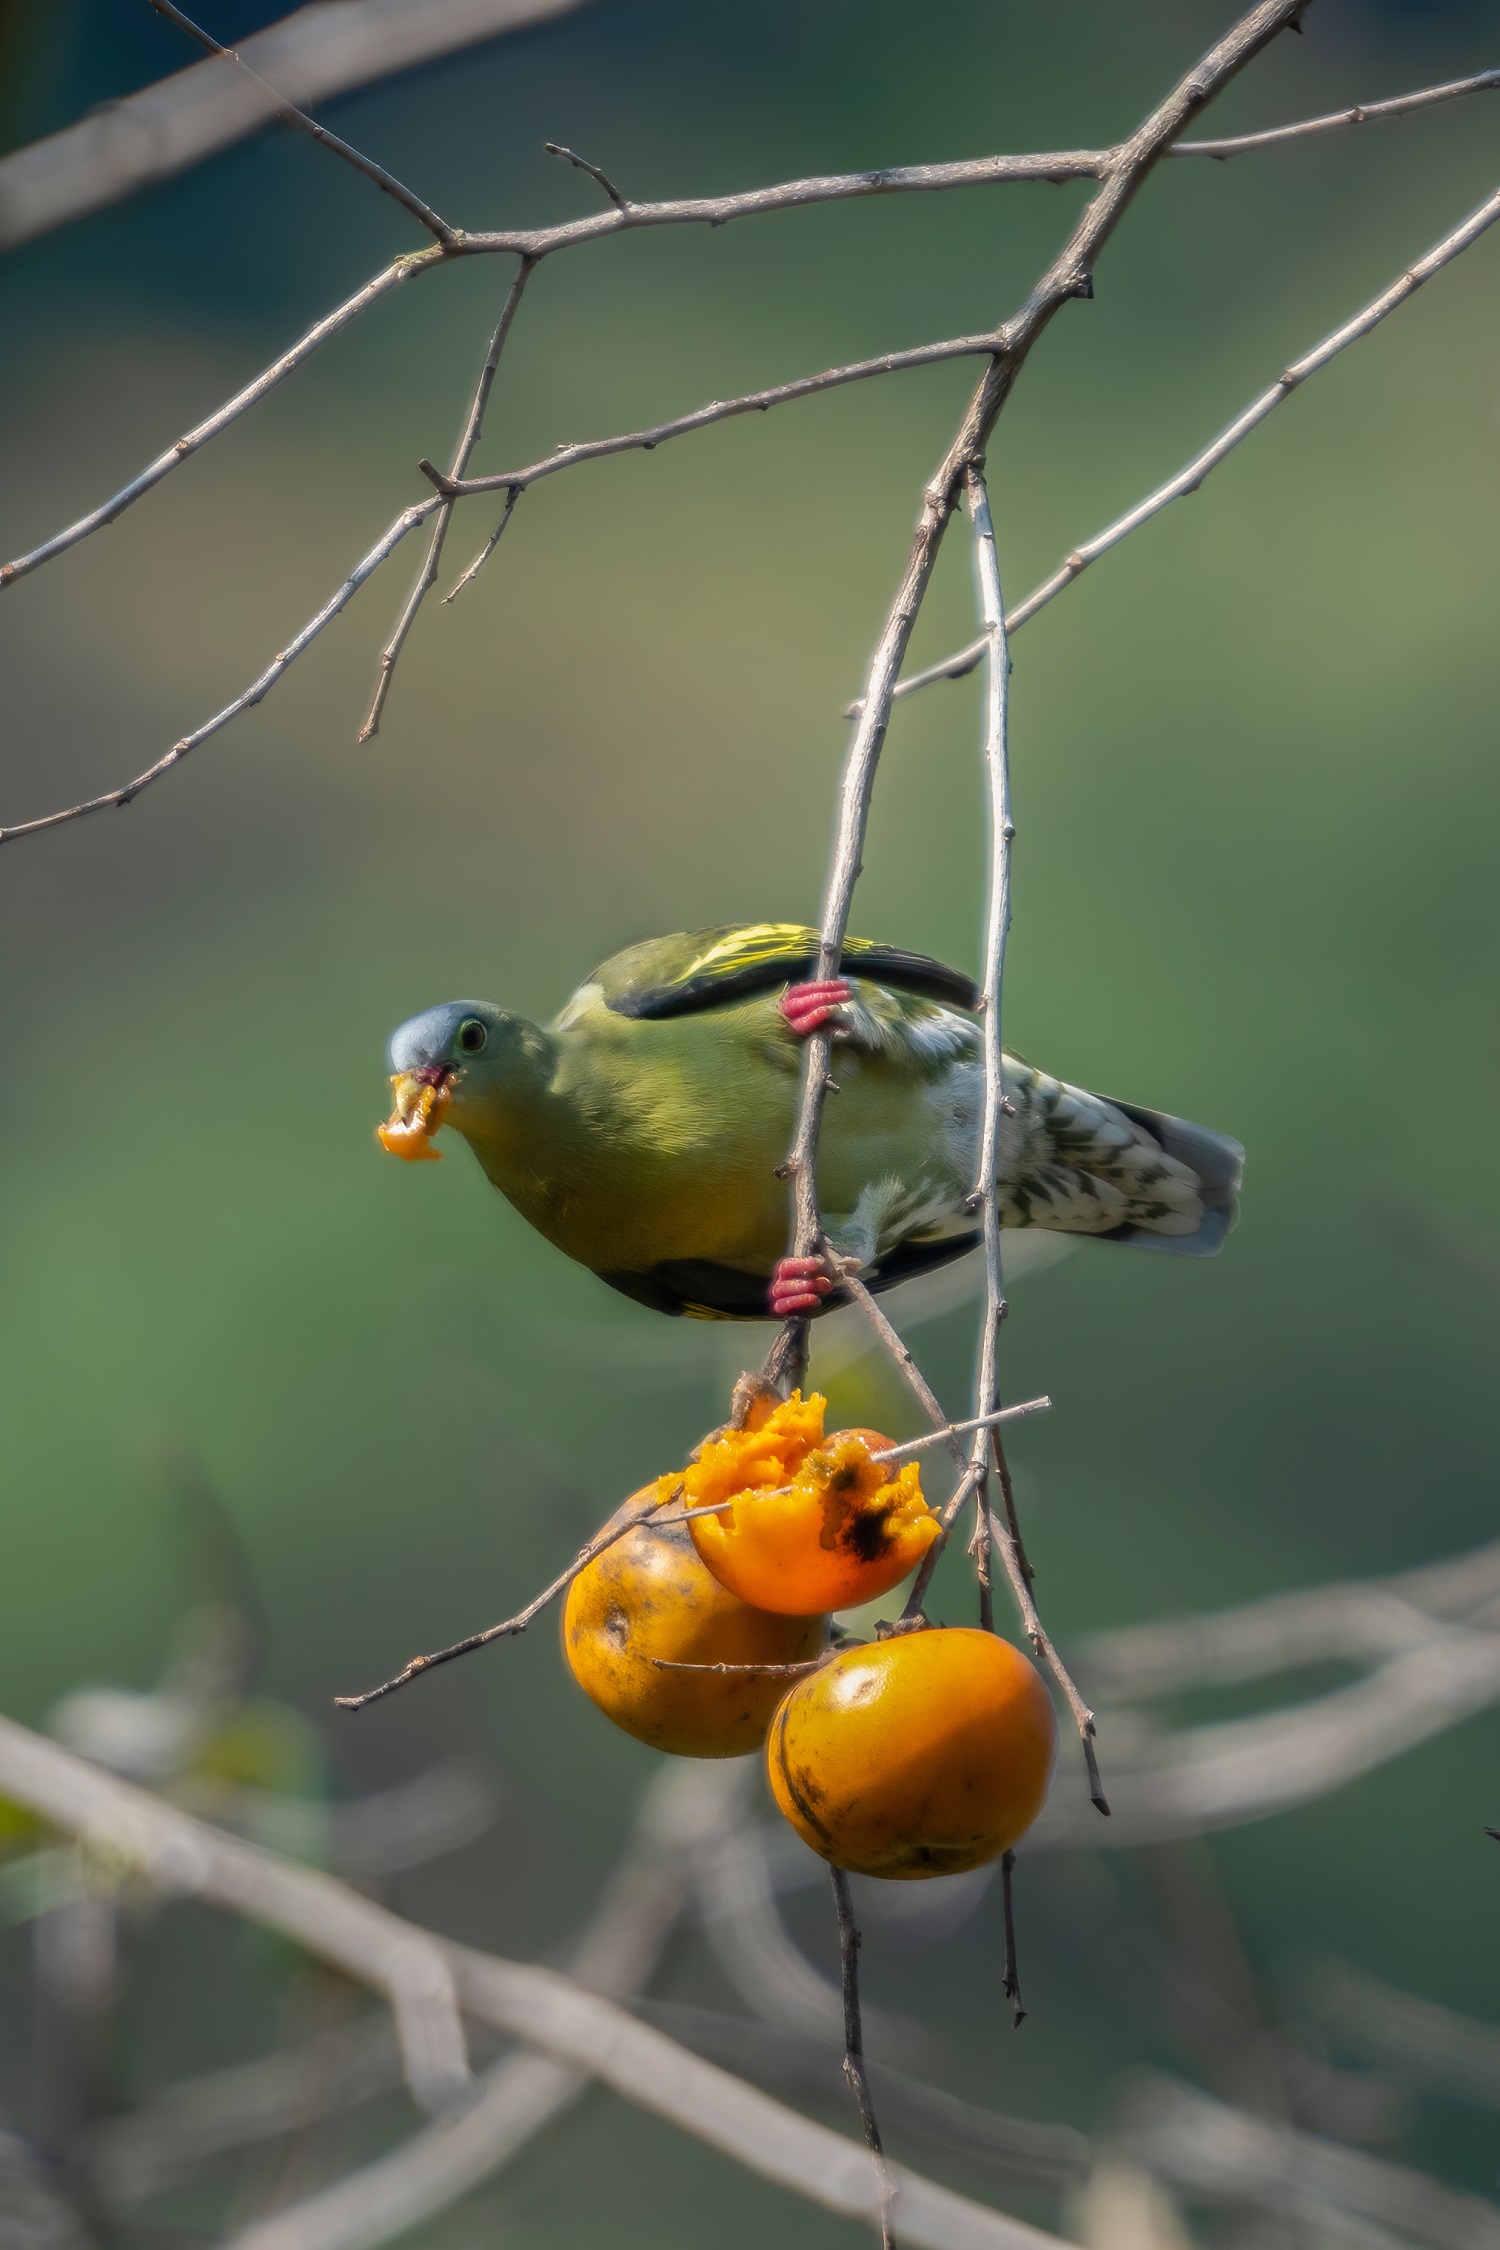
point(1255, 774)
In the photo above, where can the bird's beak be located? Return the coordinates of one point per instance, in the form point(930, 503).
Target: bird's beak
point(422, 1096)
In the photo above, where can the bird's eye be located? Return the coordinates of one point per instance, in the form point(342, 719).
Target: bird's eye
point(472, 1035)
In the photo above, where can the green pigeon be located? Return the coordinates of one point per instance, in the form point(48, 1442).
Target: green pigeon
point(641, 1130)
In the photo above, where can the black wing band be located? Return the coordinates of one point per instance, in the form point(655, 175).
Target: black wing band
point(705, 1290)
point(882, 964)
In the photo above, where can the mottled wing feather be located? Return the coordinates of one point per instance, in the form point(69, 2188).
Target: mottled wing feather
point(681, 975)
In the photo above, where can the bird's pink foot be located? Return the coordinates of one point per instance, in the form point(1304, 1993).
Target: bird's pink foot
point(807, 1007)
point(798, 1285)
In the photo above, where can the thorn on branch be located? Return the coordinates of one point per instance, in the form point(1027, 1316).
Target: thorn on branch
point(582, 164)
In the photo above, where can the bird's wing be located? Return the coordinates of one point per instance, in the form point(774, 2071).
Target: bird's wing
point(698, 969)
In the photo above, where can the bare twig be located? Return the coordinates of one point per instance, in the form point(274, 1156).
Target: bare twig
point(771, 1973)
point(986, 1194)
point(991, 1421)
point(854, 2048)
point(288, 111)
point(469, 437)
point(1364, 113)
point(258, 689)
point(1070, 275)
point(485, 552)
point(1012, 1983)
point(1187, 480)
point(596, 174)
point(776, 1671)
point(407, 521)
point(1007, 1535)
point(1051, 165)
point(705, 417)
point(178, 1855)
point(621, 1523)
point(193, 441)
point(848, 1278)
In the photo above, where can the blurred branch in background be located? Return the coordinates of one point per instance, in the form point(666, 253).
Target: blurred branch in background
point(321, 51)
point(1437, 1631)
point(698, 1841)
point(1218, 2154)
point(180, 1857)
point(1438, 2050)
point(616, 1956)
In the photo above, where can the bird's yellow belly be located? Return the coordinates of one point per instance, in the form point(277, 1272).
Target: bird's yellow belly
point(692, 1174)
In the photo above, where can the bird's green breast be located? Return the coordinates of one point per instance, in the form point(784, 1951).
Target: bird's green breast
point(647, 1141)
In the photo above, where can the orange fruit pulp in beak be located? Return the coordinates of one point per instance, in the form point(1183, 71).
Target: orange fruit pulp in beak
point(408, 1131)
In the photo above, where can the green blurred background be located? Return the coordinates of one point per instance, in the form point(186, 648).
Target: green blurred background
point(1255, 776)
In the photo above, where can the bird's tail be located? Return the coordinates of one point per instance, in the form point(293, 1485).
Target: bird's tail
point(1218, 1164)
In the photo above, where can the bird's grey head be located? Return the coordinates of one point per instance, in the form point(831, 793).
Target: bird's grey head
point(445, 1039)
point(467, 1064)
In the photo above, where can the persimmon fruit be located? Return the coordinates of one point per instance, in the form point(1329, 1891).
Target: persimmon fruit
point(648, 1596)
point(921, 1755)
point(808, 1523)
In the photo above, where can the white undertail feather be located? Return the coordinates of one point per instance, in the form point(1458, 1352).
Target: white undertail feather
point(1070, 1161)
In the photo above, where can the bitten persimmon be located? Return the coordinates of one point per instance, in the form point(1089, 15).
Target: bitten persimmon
point(650, 1596)
point(846, 1529)
point(921, 1755)
point(807, 1523)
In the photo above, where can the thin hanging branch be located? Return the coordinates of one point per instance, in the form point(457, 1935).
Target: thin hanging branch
point(290, 114)
point(1011, 1985)
point(258, 690)
point(994, 1534)
point(854, 2050)
point(1069, 276)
